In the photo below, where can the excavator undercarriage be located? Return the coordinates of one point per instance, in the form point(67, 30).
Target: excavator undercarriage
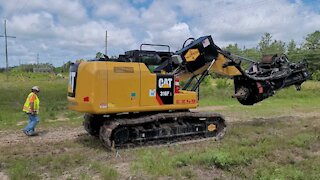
point(131, 130)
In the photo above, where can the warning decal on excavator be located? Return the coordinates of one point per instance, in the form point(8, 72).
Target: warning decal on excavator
point(123, 69)
point(205, 43)
point(192, 55)
point(164, 91)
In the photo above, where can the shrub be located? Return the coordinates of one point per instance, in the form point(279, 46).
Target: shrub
point(316, 75)
point(222, 83)
point(207, 81)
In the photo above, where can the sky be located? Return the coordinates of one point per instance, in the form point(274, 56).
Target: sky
point(67, 30)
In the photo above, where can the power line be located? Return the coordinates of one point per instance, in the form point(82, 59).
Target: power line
point(6, 47)
point(23, 6)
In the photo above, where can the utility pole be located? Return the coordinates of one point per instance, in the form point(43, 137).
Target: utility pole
point(106, 50)
point(6, 47)
point(38, 59)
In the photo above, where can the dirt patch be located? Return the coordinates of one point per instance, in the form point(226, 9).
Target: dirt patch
point(8, 138)
point(210, 173)
point(123, 168)
point(58, 119)
point(3, 176)
point(315, 148)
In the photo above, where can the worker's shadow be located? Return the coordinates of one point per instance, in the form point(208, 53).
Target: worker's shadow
point(40, 133)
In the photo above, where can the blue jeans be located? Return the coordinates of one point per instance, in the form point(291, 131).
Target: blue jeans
point(33, 121)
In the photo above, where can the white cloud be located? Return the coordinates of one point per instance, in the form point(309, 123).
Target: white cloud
point(245, 21)
point(32, 25)
point(66, 11)
point(174, 36)
point(117, 11)
point(44, 47)
point(92, 34)
point(62, 30)
point(159, 16)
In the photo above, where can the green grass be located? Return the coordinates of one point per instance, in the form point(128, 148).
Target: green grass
point(304, 140)
point(280, 172)
point(105, 171)
point(160, 162)
point(305, 169)
point(20, 169)
point(57, 166)
point(265, 147)
point(63, 160)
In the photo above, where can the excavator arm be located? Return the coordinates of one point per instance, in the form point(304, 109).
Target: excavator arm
point(260, 81)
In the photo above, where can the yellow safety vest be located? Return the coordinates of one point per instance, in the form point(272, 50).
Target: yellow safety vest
point(36, 104)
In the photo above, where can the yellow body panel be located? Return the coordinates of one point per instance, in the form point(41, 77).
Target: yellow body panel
point(116, 87)
point(148, 85)
point(123, 85)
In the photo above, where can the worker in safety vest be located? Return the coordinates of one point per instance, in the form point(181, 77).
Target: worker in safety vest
point(31, 108)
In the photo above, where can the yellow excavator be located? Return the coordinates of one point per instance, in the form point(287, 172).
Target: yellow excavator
point(136, 99)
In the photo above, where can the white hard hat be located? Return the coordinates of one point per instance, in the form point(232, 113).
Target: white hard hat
point(36, 88)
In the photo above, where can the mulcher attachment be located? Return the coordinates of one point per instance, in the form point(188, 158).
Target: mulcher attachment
point(264, 78)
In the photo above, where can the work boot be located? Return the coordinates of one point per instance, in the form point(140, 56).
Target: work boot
point(28, 133)
point(25, 132)
point(33, 133)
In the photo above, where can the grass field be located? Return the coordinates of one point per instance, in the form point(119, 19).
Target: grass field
point(52, 98)
point(278, 138)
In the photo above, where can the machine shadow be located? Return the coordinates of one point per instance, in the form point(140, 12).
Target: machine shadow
point(90, 141)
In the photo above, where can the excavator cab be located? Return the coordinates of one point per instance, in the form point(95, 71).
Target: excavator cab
point(156, 61)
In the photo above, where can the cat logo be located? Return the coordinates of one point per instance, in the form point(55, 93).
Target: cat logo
point(165, 82)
